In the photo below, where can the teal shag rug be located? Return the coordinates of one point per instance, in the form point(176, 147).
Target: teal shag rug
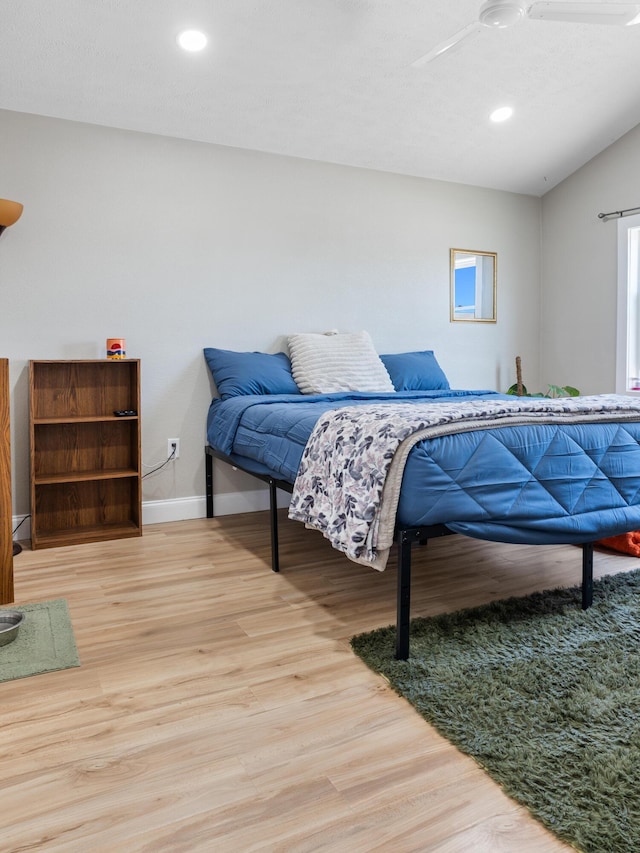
point(544, 696)
point(44, 642)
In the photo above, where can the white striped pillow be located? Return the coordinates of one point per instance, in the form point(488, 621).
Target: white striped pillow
point(322, 364)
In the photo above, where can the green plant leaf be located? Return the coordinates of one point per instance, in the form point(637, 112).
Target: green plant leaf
point(514, 390)
point(553, 391)
point(561, 391)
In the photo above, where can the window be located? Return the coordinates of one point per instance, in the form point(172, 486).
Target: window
point(628, 352)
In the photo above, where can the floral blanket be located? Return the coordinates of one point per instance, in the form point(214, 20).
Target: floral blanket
point(349, 479)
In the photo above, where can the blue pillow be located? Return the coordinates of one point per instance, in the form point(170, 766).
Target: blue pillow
point(242, 373)
point(415, 371)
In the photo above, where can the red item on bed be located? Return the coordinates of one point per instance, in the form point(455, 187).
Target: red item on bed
point(626, 543)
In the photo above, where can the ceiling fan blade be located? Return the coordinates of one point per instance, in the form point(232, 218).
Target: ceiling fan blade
point(620, 14)
point(448, 44)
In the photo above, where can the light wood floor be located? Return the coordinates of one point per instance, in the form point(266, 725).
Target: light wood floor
point(219, 707)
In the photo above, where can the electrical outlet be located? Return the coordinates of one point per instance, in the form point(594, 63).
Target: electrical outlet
point(173, 448)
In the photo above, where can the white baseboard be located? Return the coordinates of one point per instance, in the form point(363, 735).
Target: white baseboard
point(178, 509)
point(232, 503)
point(173, 509)
point(255, 500)
point(25, 527)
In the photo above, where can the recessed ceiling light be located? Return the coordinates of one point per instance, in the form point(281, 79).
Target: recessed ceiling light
point(192, 40)
point(501, 114)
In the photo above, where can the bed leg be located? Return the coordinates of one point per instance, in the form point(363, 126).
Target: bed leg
point(273, 511)
point(404, 595)
point(587, 575)
point(208, 464)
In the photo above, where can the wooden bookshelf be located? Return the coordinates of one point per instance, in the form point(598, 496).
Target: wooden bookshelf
point(6, 512)
point(86, 482)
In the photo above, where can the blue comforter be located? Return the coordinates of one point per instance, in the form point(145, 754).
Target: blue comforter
point(535, 484)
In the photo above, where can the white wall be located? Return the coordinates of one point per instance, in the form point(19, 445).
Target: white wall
point(579, 268)
point(177, 246)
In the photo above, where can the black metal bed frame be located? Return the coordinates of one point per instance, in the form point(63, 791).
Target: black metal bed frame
point(404, 537)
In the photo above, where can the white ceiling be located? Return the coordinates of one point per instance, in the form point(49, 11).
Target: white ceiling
point(332, 80)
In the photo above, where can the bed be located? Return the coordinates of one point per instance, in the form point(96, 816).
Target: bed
point(377, 450)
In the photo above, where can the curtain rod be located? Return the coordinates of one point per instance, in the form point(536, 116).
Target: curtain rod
point(618, 213)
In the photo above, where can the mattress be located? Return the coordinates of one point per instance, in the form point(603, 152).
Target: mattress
point(533, 484)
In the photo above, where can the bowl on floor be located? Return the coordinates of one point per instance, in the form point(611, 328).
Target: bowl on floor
point(10, 621)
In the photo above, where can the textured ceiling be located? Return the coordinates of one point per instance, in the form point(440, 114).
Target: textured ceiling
point(332, 80)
